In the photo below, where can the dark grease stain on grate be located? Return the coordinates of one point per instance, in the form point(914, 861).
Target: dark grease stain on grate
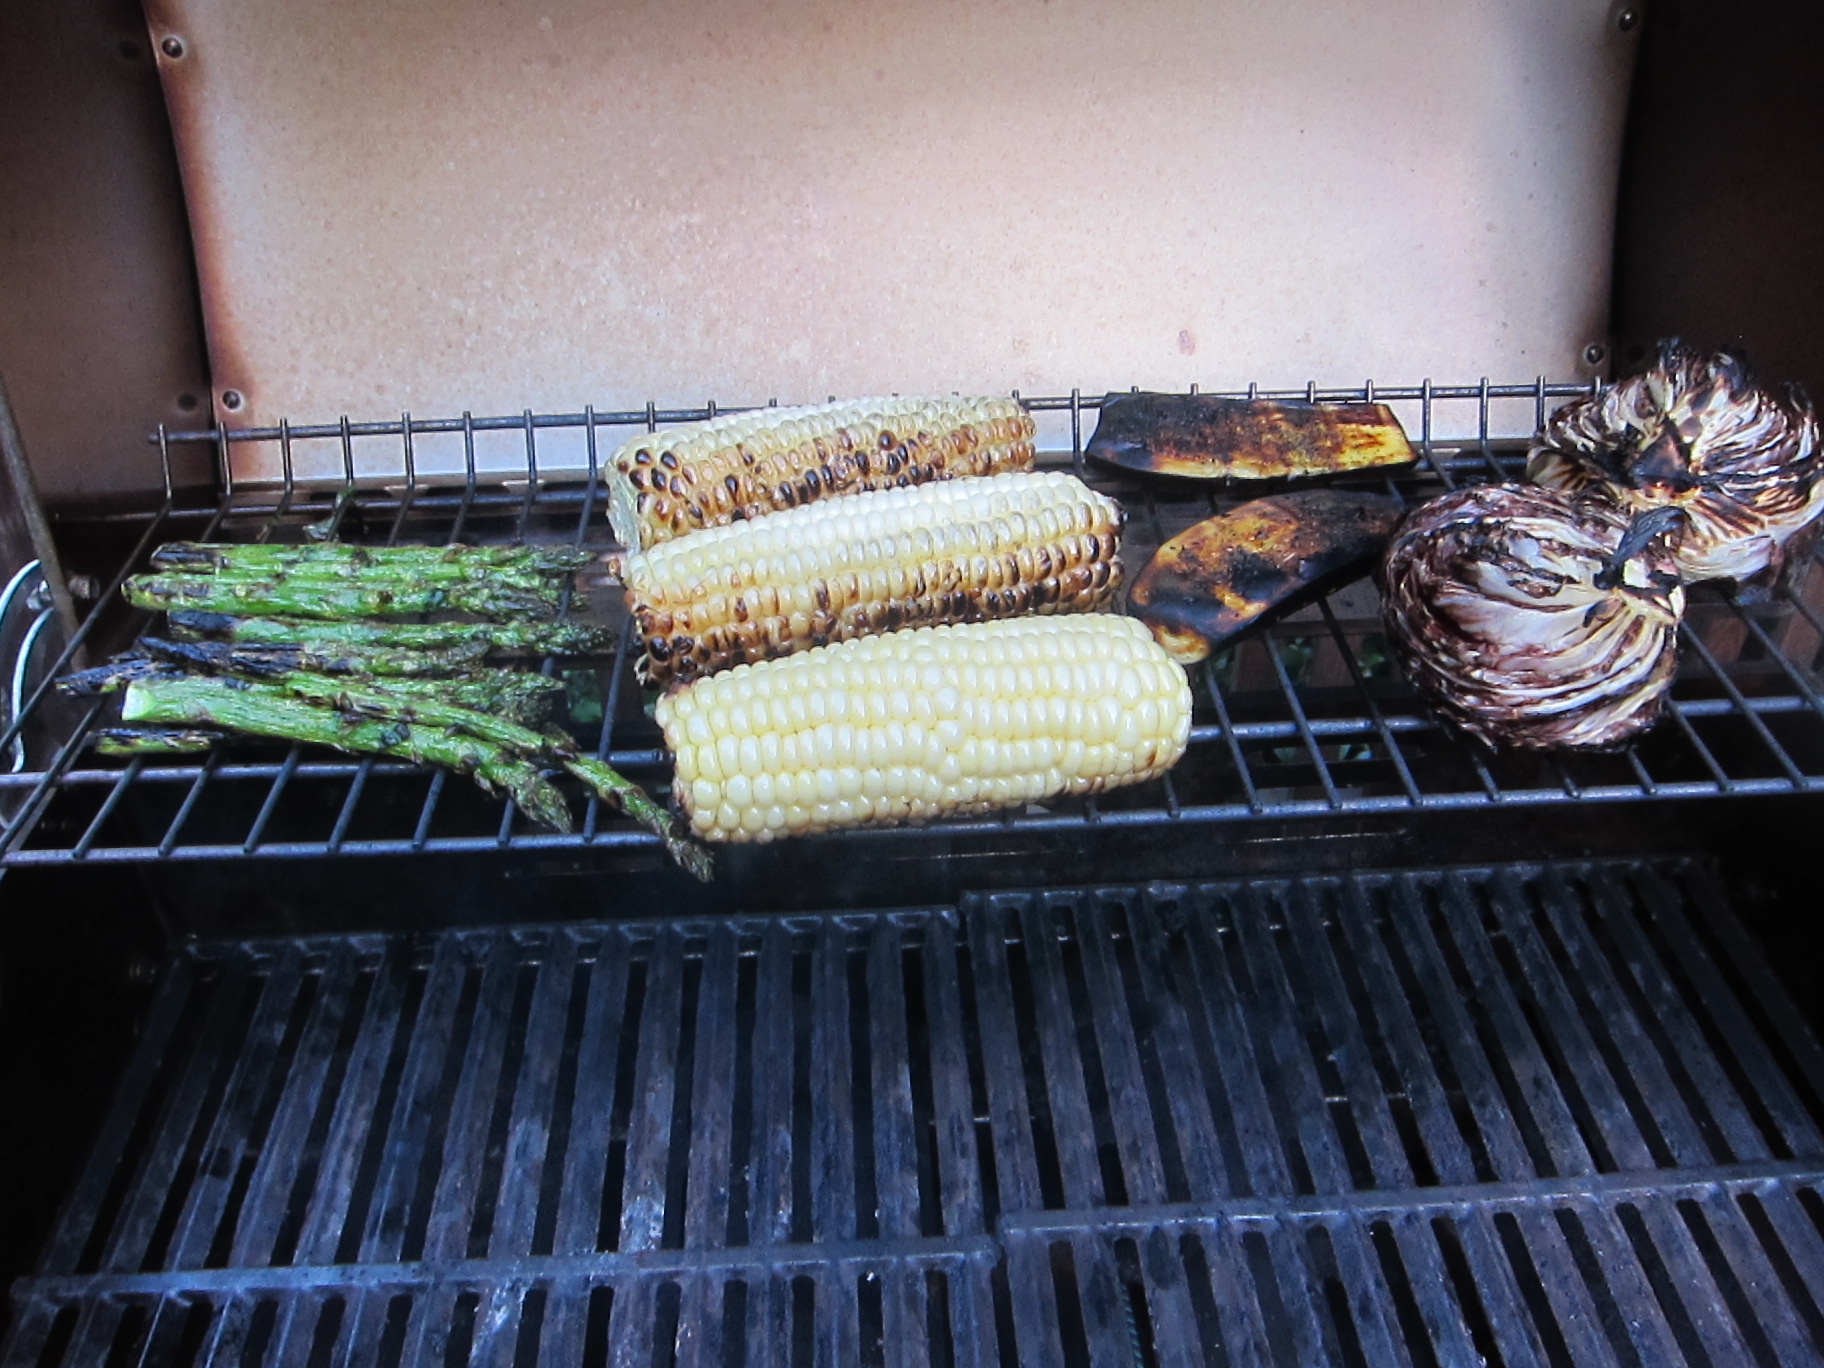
point(1525, 1115)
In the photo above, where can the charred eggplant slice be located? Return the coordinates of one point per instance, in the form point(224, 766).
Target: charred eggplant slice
point(1203, 437)
point(1226, 573)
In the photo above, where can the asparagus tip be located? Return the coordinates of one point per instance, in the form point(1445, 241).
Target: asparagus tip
point(691, 856)
point(617, 790)
point(541, 801)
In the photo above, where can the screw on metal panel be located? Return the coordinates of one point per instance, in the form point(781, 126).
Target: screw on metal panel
point(1594, 353)
point(172, 47)
point(231, 400)
point(1627, 19)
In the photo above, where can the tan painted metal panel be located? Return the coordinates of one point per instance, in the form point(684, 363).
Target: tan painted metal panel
point(451, 204)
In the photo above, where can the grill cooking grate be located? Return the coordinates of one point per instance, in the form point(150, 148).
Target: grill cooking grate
point(1524, 1115)
point(1305, 720)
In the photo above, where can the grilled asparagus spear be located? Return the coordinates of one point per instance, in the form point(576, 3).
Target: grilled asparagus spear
point(374, 699)
point(343, 638)
point(374, 578)
point(615, 789)
point(270, 710)
point(260, 659)
point(422, 562)
point(518, 694)
point(327, 598)
point(499, 753)
point(112, 676)
point(156, 741)
point(612, 787)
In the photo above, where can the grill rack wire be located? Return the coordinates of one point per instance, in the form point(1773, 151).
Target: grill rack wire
point(1304, 719)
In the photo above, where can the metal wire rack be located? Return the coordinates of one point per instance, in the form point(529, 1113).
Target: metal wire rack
point(1304, 719)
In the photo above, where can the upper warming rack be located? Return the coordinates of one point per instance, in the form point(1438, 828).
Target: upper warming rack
point(1307, 718)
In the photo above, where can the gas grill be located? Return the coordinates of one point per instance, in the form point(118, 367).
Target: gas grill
point(1518, 1112)
point(1350, 1043)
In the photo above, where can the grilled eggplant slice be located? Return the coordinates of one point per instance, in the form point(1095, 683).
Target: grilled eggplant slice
point(1203, 437)
point(1226, 573)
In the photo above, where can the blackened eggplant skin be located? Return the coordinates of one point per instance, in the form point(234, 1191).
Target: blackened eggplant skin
point(1223, 575)
point(1204, 437)
point(1521, 614)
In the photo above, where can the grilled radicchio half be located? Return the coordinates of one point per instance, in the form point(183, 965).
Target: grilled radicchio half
point(1508, 605)
point(1742, 462)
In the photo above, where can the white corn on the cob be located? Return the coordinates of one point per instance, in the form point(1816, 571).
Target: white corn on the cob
point(966, 550)
point(664, 484)
point(954, 720)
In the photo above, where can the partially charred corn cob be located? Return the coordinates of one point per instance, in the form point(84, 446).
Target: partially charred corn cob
point(741, 465)
point(968, 550)
point(934, 722)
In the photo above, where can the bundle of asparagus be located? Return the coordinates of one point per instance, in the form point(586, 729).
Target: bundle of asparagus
point(304, 643)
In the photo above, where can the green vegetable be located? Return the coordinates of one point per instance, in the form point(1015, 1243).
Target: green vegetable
point(174, 741)
point(330, 638)
point(302, 643)
point(270, 710)
point(499, 753)
point(261, 660)
point(423, 562)
point(517, 694)
point(308, 598)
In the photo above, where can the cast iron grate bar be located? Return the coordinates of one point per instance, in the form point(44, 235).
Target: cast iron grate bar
point(1535, 1114)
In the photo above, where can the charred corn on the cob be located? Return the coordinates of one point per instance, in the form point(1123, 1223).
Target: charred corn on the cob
point(741, 465)
point(961, 551)
point(936, 721)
